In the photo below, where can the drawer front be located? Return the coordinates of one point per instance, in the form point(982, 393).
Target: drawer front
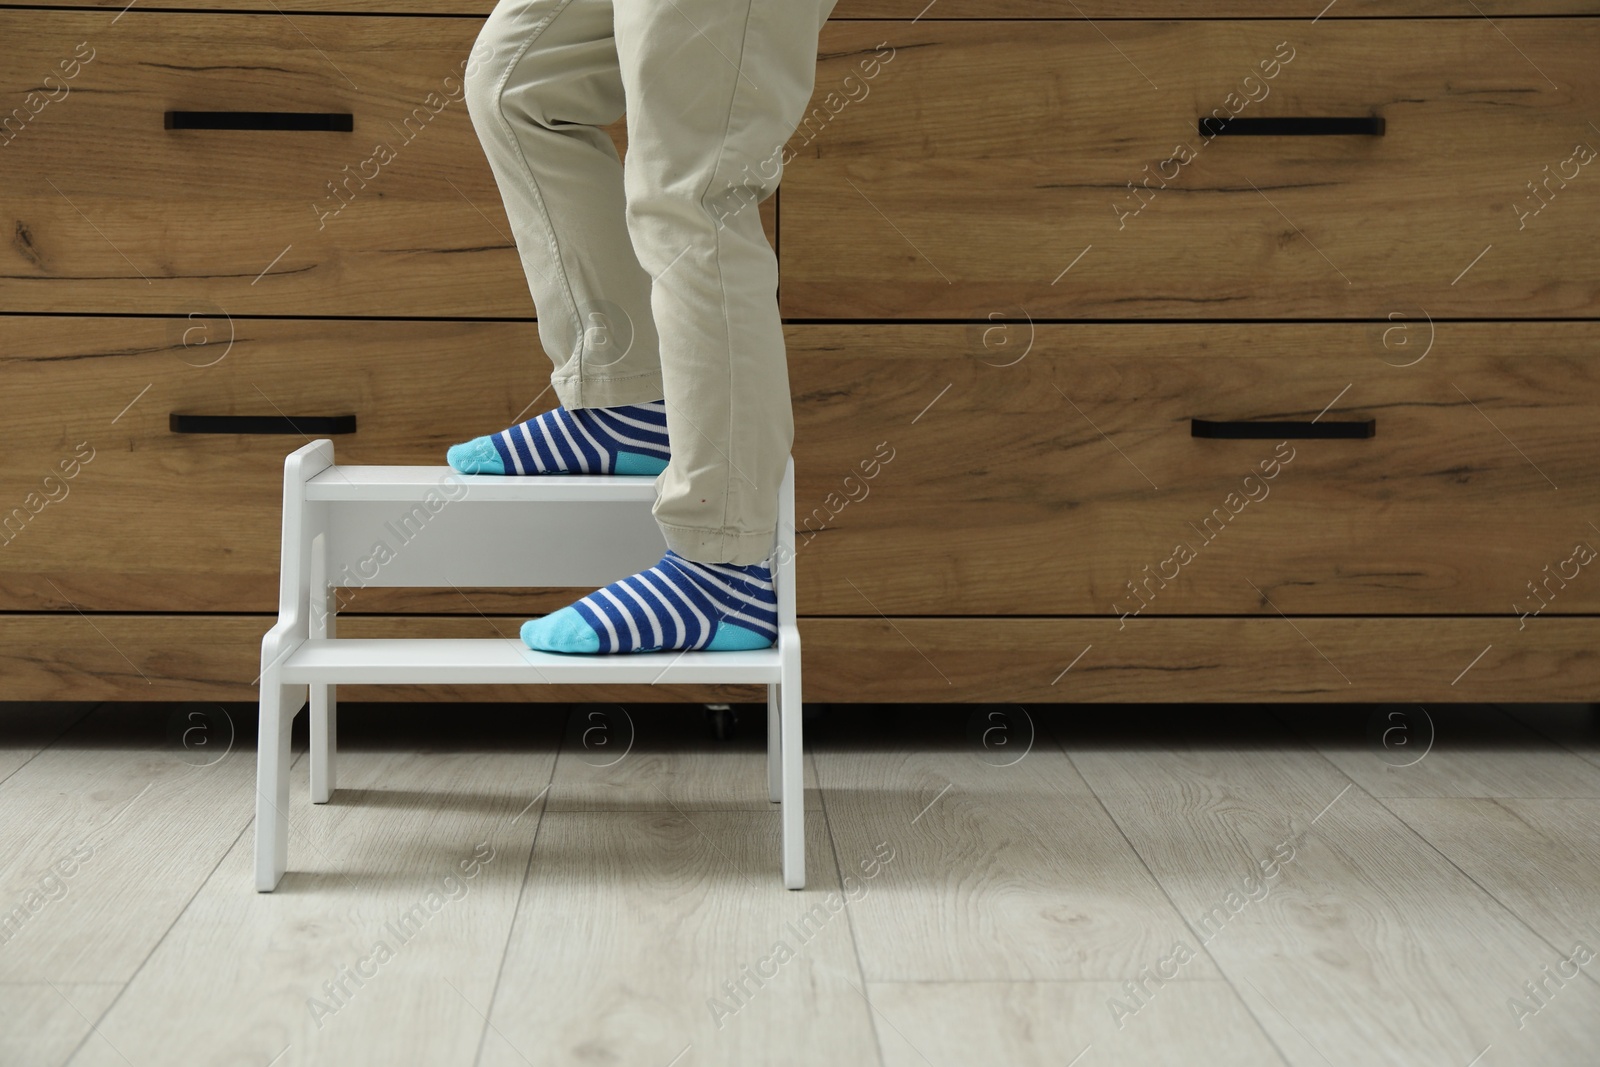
point(217, 657)
point(66, 656)
point(1041, 166)
point(1190, 9)
point(1003, 470)
point(942, 470)
point(106, 508)
point(298, 222)
point(968, 9)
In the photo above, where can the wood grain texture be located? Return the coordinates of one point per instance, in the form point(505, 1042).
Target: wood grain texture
point(380, 863)
point(617, 757)
point(1201, 660)
point(84, 819)
point(1371, 945)
point(252, 222)
point(1045, 1024)
point(1360, 904)
point(1086, 482)
point(218, 657)
point(197, 516)
point(1006, 868)
point(1539, 858)
point(1206, 660)
point(42, 1022)
point(652, 912)
point(1051, 469)
point(980, 9)
point(1027, 135)
point(1174, 9)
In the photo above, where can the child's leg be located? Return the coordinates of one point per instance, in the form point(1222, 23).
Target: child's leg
point(715, 88)
point(544, 79)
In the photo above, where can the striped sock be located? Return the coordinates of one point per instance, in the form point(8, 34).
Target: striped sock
point(626, 439)
point(677, 604)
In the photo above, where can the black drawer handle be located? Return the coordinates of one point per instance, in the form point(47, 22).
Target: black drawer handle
point(1252, 430)
point(339, 121)
point(1292, 126)
point(301, 424)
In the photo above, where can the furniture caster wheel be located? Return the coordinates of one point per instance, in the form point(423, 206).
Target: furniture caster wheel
point(723, 719)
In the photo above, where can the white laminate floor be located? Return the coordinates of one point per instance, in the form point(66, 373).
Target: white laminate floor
point(1039, 887)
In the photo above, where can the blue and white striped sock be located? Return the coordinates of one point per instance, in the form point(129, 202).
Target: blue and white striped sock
point(626, 439)
point(677, 604)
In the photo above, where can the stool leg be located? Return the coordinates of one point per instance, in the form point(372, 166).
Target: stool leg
point(324, 699)
point(793, 775)
point(272, 781)
point(774, 747)
point(324, 741)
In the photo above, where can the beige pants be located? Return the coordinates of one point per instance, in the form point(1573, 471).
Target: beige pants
point(656, 280)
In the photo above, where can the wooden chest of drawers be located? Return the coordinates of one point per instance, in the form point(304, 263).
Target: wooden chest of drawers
point(1080, 183)
point(1023, 279)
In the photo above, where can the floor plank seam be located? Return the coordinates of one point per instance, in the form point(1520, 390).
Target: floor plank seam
point(200, 884)
point(1478, 885)
point(1204, 945)
point(855, 940)
point(522, 889)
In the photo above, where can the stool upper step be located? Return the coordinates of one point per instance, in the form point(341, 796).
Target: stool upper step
point(482, 661)
point(401, 484)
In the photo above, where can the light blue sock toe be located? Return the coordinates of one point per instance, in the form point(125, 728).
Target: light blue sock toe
point(477, 456)
point(638, 463)
point(560, 631)
point(731, 637)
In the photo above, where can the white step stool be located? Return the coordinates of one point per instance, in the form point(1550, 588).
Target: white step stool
point(439, 528)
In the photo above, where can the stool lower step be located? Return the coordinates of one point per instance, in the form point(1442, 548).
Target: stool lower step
point(494, 660)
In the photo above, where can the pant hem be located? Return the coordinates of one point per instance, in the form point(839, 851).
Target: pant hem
point(717, 546)
point(576, 392)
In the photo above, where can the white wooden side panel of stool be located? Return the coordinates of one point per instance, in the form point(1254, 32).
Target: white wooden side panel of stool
point(279, 701)
point(349, 527)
